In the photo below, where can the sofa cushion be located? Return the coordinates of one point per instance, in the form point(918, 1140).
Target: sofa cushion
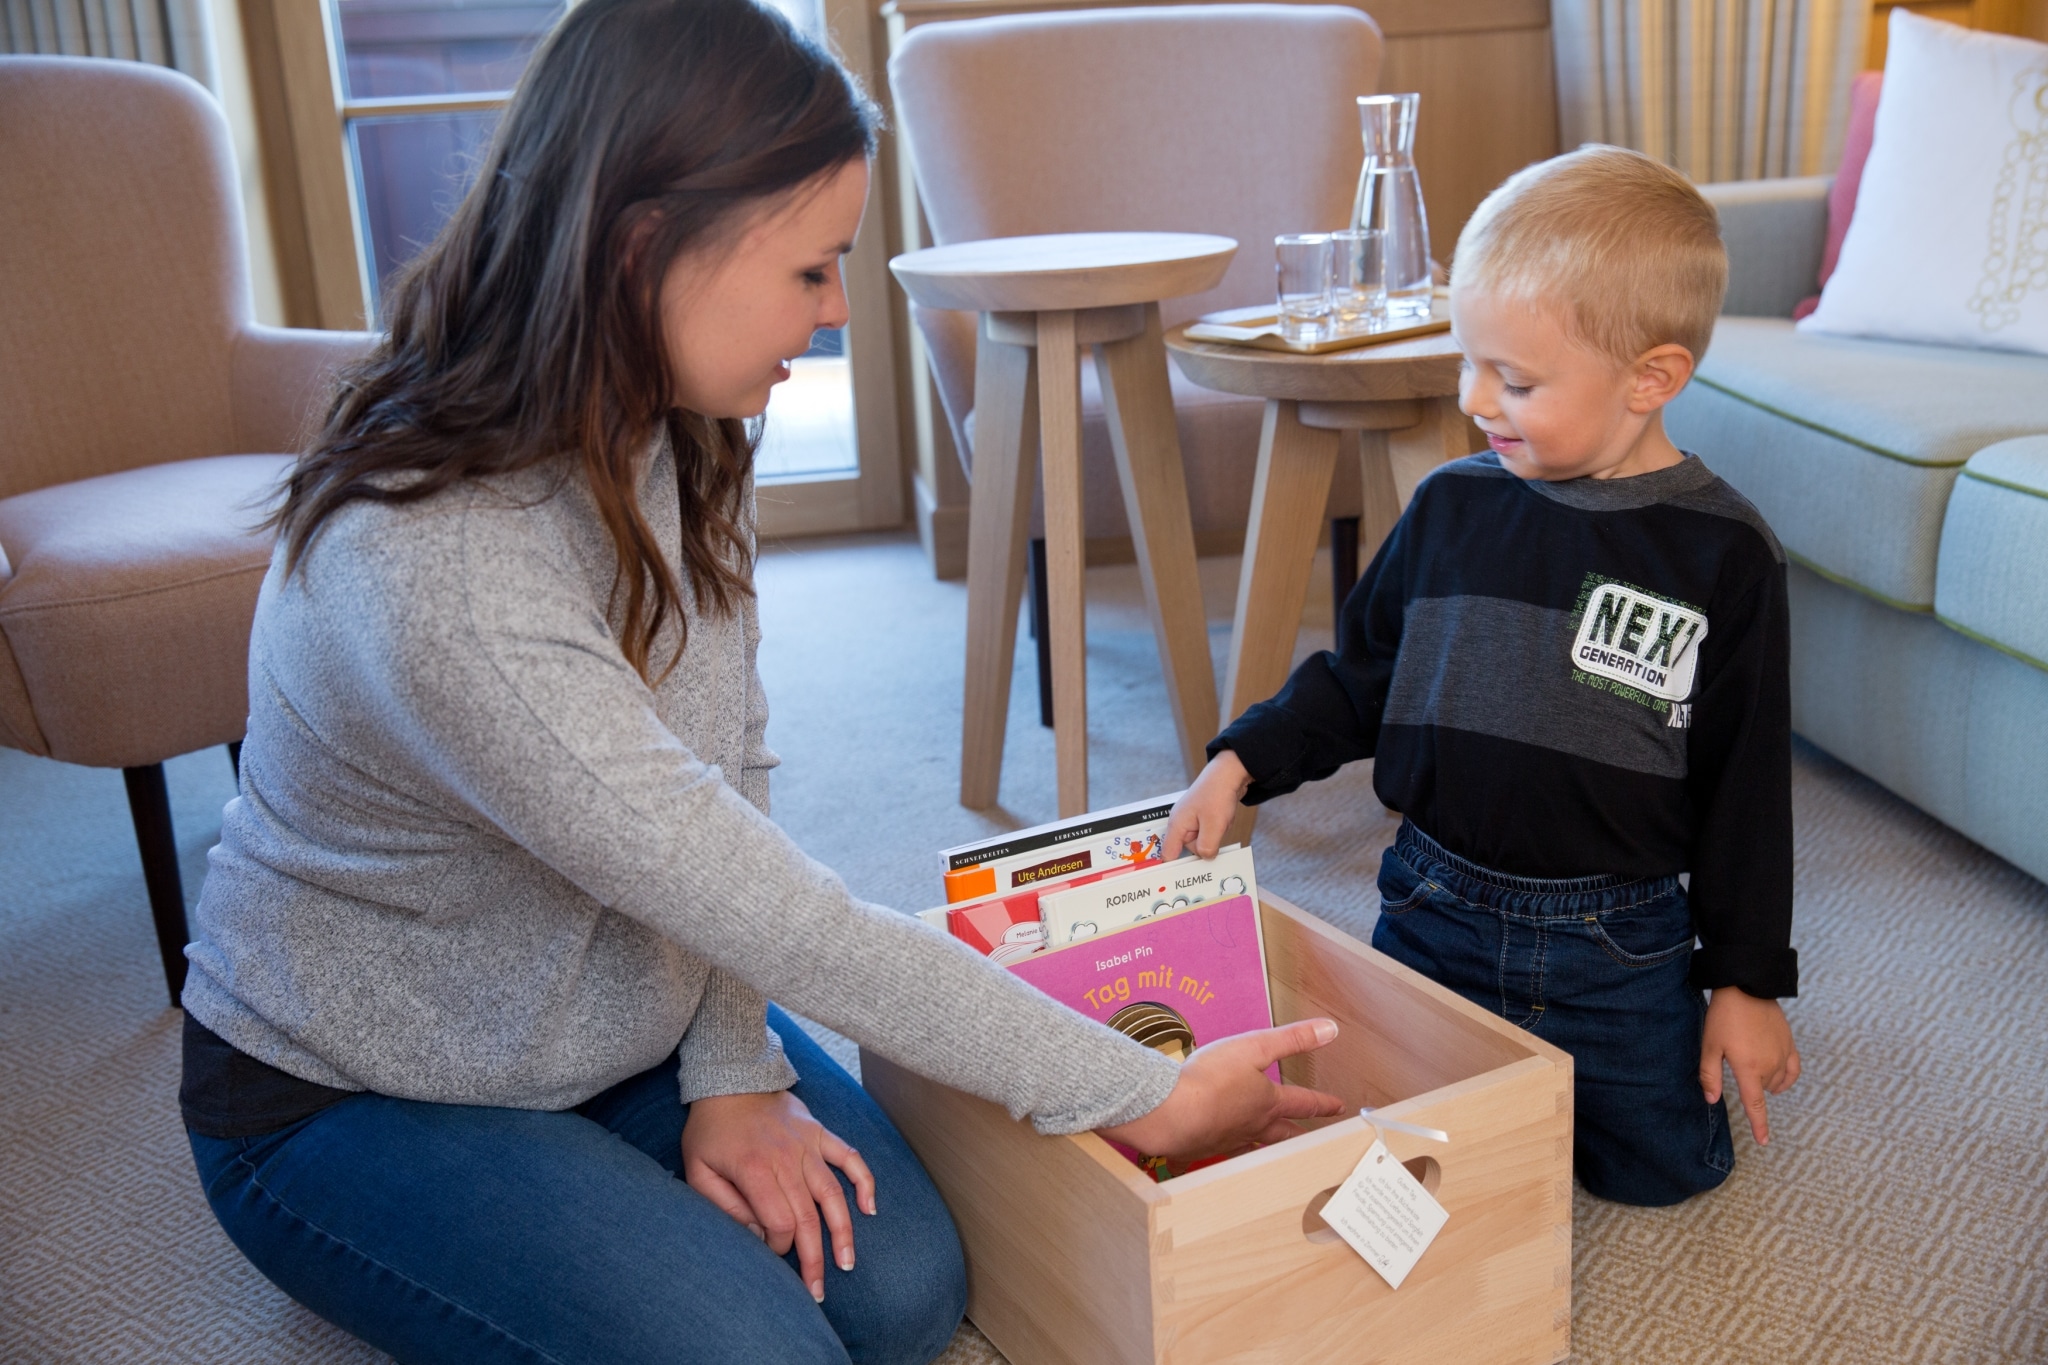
point(1849, 446)
point(1993, 581)
point(1953, 727)
point(129, 608)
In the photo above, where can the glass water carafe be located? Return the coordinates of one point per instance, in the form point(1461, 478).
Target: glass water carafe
point(1390, 200)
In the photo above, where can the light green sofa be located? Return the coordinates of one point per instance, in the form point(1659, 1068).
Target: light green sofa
point(1909, 485)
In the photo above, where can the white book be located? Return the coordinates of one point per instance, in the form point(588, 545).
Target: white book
point(1053, 852)
point(1117, 902)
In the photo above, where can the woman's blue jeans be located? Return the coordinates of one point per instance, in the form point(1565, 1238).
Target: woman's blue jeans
point(445, 1232)
point(1596, 966)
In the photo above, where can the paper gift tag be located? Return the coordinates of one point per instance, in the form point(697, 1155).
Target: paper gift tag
point(1385, 1214)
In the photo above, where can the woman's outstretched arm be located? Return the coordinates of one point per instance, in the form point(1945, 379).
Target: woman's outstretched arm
point(507, 696)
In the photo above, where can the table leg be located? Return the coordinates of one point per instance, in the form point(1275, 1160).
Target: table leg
point(999, 522)
point(1381, 499)
point(1137, 400)
point(1444, 434)
point(1289, 493)
point(1392, 461)
point(1059, 427)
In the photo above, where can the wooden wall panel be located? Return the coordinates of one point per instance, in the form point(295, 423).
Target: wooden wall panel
point(2028, 18)
point(1489, 108)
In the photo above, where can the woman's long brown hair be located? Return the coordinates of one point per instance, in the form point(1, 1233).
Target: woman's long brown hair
point(530, 330)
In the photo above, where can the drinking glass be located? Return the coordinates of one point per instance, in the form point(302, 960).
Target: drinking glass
point(1358, 281)
point(1302, 261)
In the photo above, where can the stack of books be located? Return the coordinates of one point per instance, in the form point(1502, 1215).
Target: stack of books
point(1170, 953)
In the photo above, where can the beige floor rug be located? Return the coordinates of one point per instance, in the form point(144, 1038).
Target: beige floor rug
point(1899, 1215)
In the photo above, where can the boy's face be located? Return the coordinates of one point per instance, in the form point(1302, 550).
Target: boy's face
point(1553, 408)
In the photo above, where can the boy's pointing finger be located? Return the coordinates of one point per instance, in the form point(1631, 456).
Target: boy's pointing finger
point(1754, 1104)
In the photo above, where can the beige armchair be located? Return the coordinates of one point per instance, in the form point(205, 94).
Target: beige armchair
point(144, 420)
point(1238, 120)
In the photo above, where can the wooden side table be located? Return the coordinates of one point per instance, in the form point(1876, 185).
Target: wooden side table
point(1400, 396)
point(1041, 300)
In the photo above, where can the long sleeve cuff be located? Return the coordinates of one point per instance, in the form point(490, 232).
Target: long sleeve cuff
point(729, 1048)
point(1270, 756)
point(754, 786)
point(1155, 1082)
point(1764, 972)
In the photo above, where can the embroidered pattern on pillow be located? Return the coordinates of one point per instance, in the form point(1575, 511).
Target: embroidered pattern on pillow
point(2016, 262)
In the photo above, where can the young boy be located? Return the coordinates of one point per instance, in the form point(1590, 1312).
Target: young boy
point(1569, 661)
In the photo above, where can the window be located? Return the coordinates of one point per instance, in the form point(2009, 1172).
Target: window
point(422, 83)
point(388, 142)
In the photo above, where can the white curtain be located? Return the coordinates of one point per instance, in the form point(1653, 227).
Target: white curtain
point(173, 33)
point(1720, 89)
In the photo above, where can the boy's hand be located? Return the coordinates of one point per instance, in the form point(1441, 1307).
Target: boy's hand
point(1202, 816)
point(1751, 1035)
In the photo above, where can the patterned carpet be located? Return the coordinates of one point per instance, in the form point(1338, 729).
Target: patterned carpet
point(1898, 1215)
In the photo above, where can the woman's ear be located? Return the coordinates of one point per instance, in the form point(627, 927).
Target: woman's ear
point(1660, 374)
point(638, 234)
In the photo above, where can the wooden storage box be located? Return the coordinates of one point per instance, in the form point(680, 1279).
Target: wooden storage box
point(1075, 1255)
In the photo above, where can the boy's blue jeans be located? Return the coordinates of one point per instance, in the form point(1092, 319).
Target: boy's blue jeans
point(444, 1232)
point(1596, 966)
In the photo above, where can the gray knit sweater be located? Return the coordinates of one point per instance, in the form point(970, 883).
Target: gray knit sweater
point(476, 860)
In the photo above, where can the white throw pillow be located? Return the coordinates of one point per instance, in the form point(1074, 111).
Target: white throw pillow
point(1949, 242)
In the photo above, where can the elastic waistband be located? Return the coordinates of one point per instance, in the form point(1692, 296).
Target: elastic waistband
point(1537, 896)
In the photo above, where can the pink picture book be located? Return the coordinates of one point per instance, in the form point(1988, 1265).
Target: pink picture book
point(1173, 982)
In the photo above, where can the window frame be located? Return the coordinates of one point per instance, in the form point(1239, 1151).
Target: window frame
point(335, 286)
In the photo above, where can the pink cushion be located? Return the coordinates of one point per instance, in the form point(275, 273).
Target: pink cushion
point(128, 611)
point(1863, 93)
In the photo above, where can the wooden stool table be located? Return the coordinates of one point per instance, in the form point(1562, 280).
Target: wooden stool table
point(1401, 397)
point(1041, 300)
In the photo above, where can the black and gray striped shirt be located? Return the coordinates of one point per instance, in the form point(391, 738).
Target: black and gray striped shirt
point(1569, 679)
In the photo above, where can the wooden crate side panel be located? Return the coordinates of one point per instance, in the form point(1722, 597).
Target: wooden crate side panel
point(1058, 1242)
point(1241, 1282)
point(1331, 939)
point(1400, 1034)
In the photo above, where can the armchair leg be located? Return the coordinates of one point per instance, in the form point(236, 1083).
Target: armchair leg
point(1039, 634)
point(1343, 564)
point(150, 803)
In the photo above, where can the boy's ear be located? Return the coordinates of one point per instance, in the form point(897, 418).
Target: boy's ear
point(1660, 373)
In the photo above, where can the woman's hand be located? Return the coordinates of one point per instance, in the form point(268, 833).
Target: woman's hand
point(1224, 1099)
point(1202, 816)
point(1752, 1037)
point(767, 1162)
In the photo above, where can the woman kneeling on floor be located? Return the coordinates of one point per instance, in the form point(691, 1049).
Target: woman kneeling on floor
point(479, 1062)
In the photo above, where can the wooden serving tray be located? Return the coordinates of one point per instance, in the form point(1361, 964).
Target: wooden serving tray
point(1259, 326)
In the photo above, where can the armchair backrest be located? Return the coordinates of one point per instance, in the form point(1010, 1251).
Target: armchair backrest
point(1231, 119)
point(124, 278)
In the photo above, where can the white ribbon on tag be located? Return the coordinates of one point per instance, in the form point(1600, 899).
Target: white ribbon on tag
point(1412, 1129)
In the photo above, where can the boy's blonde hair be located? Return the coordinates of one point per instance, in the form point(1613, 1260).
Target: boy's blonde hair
point(1620, 244)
